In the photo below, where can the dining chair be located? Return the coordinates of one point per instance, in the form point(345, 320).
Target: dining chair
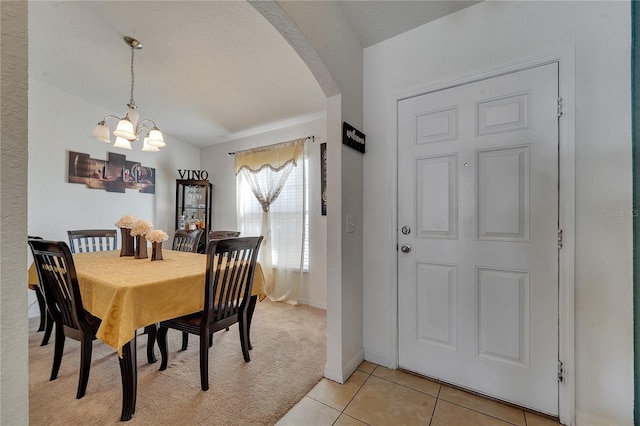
point(186, 240)
point(229, 277)
point(218, 235)
point(86, 240)
point(57, 274)
point(46, 322)
point(90, 240)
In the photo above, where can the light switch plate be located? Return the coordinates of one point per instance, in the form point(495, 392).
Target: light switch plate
point(351, 224)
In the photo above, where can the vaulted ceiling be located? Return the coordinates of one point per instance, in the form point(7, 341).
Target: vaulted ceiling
point(210, 71)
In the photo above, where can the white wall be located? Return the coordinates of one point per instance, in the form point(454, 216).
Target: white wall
point(14, 355)
point(333, 42)
point(491, 34)
point(216, 161)
point(58, 123)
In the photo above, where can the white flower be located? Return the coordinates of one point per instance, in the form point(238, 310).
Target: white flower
point(141, 227)
point(156, 236)
point(126, 221)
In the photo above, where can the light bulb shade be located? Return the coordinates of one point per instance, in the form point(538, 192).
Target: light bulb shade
point(101, 132)
point(125, 130)
point(156, 138)
point(122, 143)
point(149, 148)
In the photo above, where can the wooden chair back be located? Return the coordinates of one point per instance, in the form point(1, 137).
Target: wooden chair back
point(229, 279)
point(218, 235)
point(57, 274)
point(186, 240)
point(86, 240)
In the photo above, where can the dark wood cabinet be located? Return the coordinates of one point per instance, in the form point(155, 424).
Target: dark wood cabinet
point(193, 201)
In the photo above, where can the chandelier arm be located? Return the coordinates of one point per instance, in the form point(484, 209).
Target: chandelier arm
point(110, 116)
point(141, 125)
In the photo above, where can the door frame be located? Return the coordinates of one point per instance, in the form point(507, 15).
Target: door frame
point(565, 58)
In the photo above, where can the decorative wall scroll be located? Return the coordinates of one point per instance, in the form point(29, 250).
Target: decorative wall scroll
point(114, 175)
point(323, 177)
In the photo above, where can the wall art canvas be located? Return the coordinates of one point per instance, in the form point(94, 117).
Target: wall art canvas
point(114, 175)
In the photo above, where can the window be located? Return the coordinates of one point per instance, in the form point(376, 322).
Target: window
point(284, 215)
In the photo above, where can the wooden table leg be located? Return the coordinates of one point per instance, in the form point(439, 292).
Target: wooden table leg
point(251, 308)
point(129, 375)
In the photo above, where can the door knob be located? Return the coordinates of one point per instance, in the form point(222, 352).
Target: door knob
point(406, 248)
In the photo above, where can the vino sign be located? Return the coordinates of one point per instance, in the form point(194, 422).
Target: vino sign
point(193, 174)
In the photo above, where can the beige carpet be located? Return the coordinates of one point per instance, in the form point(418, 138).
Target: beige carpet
point(287, 360)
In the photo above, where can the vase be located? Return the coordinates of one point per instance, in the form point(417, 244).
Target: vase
point(156, 251)
point(127, 248)
point(141, 247)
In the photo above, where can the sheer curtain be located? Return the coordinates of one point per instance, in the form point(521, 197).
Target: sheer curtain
point(270, 202)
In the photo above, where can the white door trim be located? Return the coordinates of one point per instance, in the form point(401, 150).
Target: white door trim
point(566, 330)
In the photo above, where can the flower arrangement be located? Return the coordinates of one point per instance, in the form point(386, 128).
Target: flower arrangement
point(141, 227)
point(156, 236)
point(126, 221)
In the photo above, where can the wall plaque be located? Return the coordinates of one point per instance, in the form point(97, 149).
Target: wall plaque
point(352, 137)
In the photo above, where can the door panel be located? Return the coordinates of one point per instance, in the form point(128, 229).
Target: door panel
point(478, 185)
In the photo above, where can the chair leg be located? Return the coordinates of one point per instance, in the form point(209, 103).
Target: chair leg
point(86, 346)
point(244, 336)
point(43, 309)
point(162, 344)
point(57, 352)
point(48, 329)
point(252, 308)
point(205, 338)
point(185, 340)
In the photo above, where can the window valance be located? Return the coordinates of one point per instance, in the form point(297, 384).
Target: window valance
point(275, 157)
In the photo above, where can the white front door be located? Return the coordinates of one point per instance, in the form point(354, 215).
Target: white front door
point(477, 237)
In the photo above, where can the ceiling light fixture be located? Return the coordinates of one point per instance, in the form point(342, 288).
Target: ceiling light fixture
point(129, 129)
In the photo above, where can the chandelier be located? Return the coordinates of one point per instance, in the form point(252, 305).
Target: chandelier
point(129, 129)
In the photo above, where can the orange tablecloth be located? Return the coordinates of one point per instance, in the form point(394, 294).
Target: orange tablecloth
point(128, 294)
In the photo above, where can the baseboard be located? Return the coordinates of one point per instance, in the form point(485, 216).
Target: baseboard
point(347, 370)
point(333, 374)
point(378, 358)
point(353, 364)
point(586, 419)
point(313, 304)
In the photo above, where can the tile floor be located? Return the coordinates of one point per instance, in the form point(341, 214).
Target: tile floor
point(375, 395)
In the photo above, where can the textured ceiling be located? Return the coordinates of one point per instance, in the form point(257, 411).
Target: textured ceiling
point(210, 71)
point(375, 21)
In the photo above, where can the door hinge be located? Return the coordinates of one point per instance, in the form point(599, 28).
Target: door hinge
point(560, 107)
point(559, 238)
point(560, 371)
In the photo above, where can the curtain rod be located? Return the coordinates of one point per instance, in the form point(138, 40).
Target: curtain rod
point(312, 137)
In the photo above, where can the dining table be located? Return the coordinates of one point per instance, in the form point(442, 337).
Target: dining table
point(128, 294)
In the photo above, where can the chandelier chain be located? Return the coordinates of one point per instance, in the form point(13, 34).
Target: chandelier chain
point(132, 103)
